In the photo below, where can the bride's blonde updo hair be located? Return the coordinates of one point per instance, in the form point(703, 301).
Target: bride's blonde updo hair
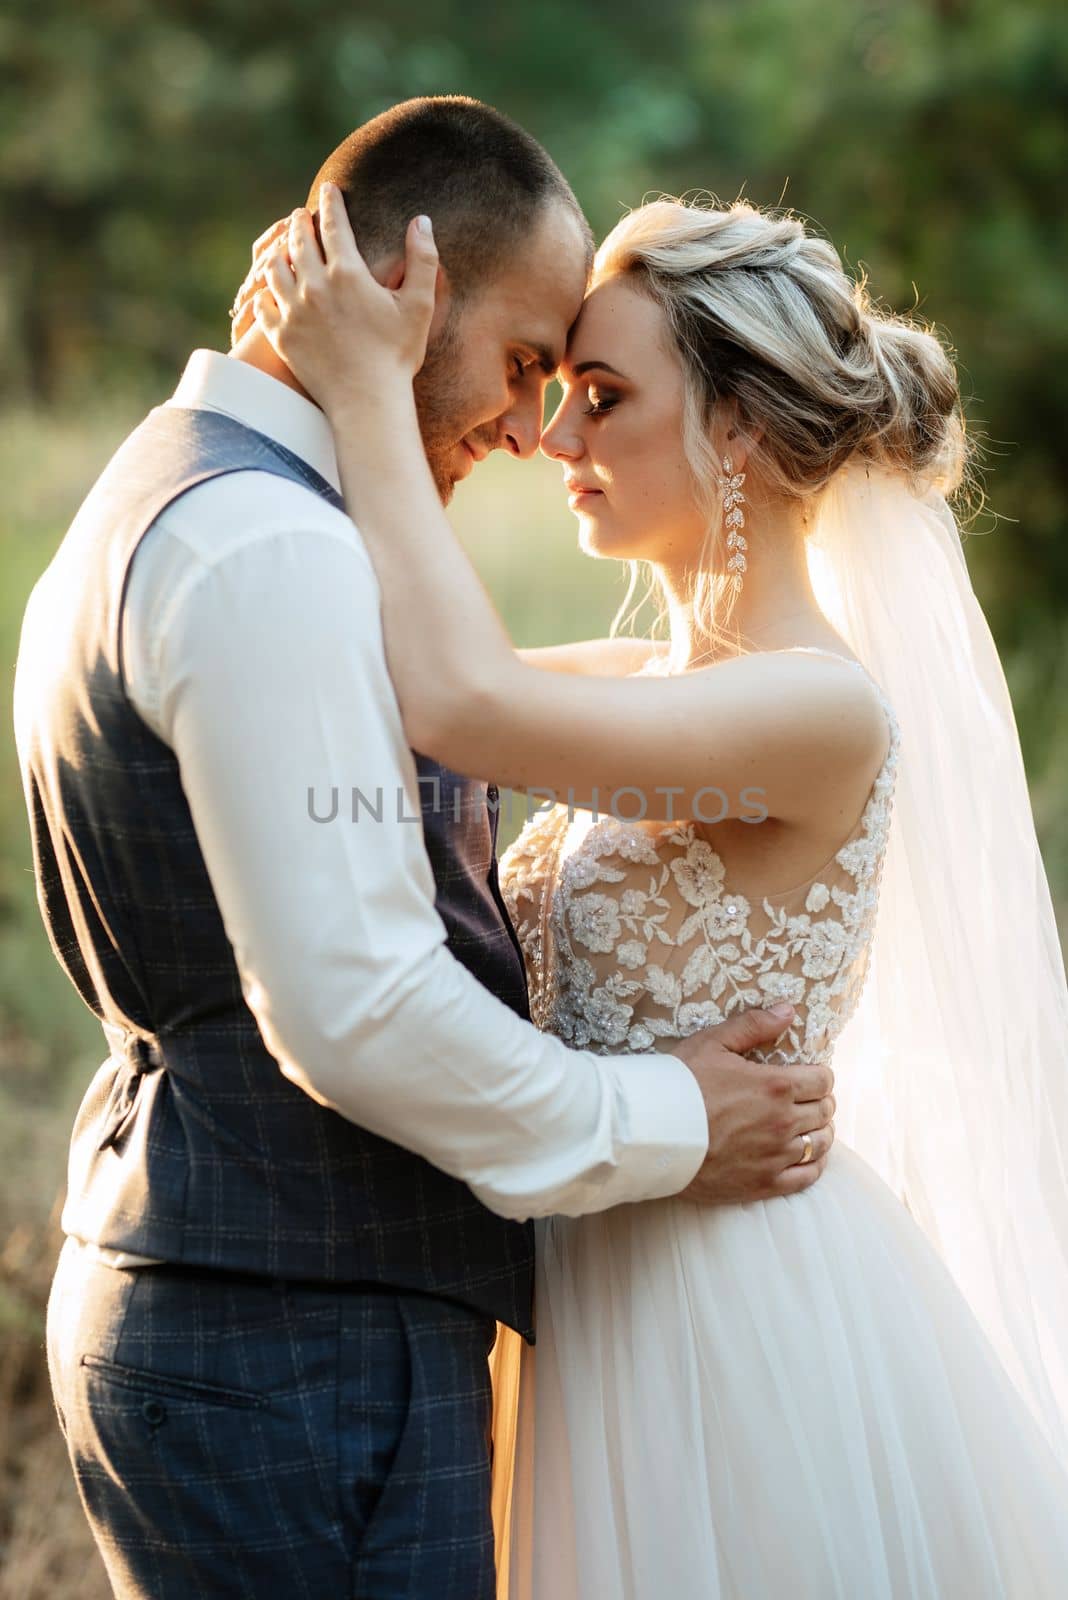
point(766, 319)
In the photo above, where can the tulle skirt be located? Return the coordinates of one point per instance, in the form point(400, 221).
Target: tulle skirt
point(782, 1399)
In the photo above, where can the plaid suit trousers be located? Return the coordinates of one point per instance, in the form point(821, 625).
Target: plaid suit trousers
point(240, 1437)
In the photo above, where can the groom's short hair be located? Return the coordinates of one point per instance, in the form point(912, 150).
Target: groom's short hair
point(480, 177)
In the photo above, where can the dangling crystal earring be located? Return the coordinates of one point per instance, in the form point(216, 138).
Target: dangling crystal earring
point(734, 521)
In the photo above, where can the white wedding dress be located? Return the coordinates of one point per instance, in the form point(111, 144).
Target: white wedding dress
point(780, 1399)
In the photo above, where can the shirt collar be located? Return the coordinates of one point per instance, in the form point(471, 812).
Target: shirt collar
point(214, 382)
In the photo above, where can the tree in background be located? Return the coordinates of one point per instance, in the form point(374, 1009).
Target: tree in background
point(143, 146)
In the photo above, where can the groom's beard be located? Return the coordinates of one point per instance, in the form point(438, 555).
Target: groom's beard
point(439, 404)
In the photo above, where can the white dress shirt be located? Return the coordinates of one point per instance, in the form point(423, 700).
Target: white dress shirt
point(253, 648)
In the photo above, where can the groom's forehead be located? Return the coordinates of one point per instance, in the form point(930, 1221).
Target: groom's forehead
point(546, 341)
point(538, 297)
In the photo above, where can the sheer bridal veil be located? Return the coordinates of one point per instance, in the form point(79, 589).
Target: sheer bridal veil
point(952, 1076)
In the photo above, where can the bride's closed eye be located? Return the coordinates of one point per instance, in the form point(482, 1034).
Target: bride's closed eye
point(600, 404)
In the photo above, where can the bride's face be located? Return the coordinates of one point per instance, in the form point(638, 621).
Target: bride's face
point(618, 433)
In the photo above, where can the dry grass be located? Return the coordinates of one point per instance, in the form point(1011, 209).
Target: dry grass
point(46, 1550)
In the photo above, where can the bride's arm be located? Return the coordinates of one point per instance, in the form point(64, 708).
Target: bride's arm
point(785, 727)
point(598, 658)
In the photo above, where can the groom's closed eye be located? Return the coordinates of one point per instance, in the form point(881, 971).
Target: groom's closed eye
point(541, 356)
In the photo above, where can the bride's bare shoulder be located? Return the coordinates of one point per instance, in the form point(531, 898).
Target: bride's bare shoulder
point(815, 720)
point(596, 658)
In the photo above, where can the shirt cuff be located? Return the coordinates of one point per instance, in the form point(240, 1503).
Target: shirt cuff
point(663, 1125)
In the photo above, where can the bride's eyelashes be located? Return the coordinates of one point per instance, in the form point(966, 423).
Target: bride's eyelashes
point(600, 407)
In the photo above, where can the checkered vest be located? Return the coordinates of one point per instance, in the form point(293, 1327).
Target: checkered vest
point(190, 1145)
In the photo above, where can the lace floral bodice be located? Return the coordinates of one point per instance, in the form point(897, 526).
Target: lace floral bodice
point(631, 933)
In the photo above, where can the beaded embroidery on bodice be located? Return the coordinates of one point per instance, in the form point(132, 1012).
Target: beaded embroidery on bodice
point(632, 934)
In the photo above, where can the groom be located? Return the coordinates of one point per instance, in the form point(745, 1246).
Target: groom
point(298, 1185)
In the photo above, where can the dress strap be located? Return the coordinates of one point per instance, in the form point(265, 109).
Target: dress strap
point(814, 650)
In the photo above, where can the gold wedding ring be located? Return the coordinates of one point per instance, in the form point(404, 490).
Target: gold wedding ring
point(806, 1139)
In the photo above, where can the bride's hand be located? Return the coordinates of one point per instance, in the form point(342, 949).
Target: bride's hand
point(339, 331)
point(241, 314)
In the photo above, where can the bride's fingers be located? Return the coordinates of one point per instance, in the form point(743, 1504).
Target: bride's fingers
point(260, 251)
point(266, 244)
point(335, 230)
point(420, 268)
point(280, 281)
point(304, 253)
point(241, 311)
point(242, 316)
point(268, 318)
point(269, 235)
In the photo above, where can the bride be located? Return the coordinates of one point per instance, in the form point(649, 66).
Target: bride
point(861, 1390)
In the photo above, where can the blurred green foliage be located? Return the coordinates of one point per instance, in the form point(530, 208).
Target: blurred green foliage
point(143, 145)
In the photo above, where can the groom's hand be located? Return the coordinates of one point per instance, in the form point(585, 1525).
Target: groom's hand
point(757, 1113)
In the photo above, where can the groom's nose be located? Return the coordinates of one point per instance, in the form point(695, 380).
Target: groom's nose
point(521, 427)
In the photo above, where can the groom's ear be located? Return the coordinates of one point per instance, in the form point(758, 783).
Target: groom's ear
point(391, 275)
